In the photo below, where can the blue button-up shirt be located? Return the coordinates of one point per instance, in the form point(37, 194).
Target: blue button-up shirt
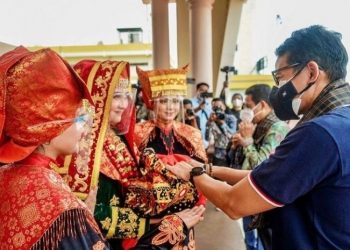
point(203, 116)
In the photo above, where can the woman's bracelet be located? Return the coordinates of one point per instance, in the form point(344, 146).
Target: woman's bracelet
point(208, 168)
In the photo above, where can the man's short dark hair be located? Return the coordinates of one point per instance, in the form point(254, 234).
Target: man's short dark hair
point(237, 95)
point(187, 101)
point(259, 92)
point(201, 84)
point(218, 99)
point(320, 45)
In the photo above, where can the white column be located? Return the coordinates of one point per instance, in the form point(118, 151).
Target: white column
point(160, 34)
point(201, 40)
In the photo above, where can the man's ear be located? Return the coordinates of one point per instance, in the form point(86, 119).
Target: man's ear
point(264, 104)
point(314, 70)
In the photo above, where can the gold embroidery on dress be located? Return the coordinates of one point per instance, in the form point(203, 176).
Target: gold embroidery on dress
point(171, 230)
point(106, 223)
point(114, 201)
point(191, 243)
point(28, 215)
point(98, 246)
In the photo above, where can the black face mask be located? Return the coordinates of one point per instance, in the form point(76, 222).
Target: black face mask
point(282, 100)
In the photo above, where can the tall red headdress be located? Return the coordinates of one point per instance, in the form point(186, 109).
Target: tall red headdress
point(161, 82)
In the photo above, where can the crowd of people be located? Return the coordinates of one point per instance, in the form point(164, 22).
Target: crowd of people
point(85, 165)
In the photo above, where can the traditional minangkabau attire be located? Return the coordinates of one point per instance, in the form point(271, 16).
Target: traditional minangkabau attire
point(179, 142)
point(132, 188)
point(37, 208)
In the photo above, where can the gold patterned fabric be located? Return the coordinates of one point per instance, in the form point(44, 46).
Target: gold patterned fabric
point(171, 230)
point(116, 153)
point(102, 79)
point(161, 82)
point(158, 191)
point(34, 199)
point(35, 88)
point(189, 137)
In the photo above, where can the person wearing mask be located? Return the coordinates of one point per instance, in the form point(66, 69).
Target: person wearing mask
point(190, 117)
point(220, 128)
point(263, 132)
point(129, 192)
point(237, 105)
point(256, 139)
point(45, 113)
point(305, 182)
point(202, 108)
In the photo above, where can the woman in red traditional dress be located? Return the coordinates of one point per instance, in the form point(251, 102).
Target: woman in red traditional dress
point(129, 192)
point(42, 116)
point(173, 141)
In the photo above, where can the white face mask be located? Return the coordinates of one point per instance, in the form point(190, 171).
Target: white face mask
point(296, 102)
point(246, 115)
point(237, 103)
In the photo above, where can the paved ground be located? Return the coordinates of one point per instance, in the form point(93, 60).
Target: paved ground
point(218, 232)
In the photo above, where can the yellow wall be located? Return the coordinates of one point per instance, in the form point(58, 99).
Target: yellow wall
point(242, 82)
point(134, 53)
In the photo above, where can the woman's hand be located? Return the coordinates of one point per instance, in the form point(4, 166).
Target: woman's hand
point(193, 216)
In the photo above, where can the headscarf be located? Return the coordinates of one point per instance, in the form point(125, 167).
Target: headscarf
point(35, 88)
point(102, 79)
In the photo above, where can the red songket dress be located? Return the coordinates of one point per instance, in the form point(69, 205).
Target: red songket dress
point(38, 210)
point(180, 143)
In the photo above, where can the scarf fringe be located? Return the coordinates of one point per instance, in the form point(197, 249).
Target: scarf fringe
point(64, 226)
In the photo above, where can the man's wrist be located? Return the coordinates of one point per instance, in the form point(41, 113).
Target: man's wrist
point(247, 141)
point(208, 169)
point(196, 171)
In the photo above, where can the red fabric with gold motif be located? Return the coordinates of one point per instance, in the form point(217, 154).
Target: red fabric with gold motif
point(34, 197)
point(30, 97)
point(160, 82)
point(35, 88)
point(102, 78)
point(189, 137)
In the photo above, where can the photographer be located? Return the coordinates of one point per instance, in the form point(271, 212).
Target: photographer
point(220, 128)
point(202, 107)
point(190, 117)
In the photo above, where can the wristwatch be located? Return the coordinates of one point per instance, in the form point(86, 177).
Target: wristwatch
point(196, 171)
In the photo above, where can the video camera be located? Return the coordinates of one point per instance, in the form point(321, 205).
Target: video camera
point(227, 69)
point(206, 95)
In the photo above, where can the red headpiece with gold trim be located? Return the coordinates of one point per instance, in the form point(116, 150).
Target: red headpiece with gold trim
point(162, 82)
point(35, 88)
point(102, 79)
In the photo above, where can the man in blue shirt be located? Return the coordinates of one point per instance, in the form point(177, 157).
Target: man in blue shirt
point(220, 128)
point(202, 107)
point(306, 182)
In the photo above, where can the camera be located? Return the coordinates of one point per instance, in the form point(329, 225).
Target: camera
point(220, 114)
point(189, 112)
point(206, 95)
point(227, 69)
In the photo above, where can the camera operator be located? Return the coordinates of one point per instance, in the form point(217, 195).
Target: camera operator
point(202, 107)
point(190, 117)
point(220, 128)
